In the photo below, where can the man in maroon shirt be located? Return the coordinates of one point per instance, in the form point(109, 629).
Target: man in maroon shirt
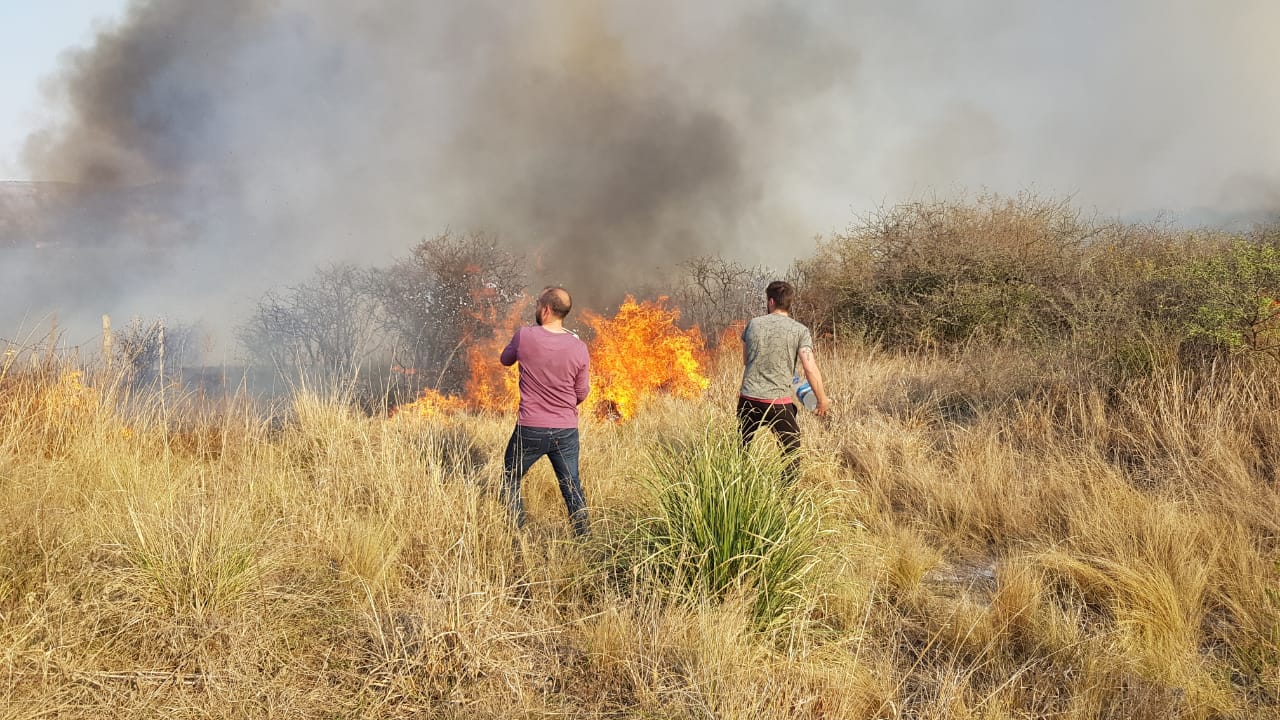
point(554, 381)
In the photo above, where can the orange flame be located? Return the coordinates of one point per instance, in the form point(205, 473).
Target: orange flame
point(639, 352)
point(492, 387)
point(430, 404)
point(730, 346)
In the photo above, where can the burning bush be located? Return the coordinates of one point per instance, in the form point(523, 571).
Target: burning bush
point(430, 404)
point(638, 352)
point(489, 386)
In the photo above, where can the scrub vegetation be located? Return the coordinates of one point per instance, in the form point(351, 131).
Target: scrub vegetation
point(1034, 499)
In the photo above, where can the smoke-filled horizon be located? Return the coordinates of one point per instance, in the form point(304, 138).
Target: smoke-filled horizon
point(609, 140)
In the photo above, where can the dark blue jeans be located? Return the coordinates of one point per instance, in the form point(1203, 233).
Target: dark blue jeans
point(560, 445)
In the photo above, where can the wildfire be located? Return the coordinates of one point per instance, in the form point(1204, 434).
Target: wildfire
point(491, 386)
point(637, 353)
point(430, 404)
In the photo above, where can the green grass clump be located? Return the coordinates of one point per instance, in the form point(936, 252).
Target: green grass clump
point(726, 524)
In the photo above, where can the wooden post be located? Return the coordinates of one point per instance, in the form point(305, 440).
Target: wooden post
point(106, 342)
point(160, 340)
point(164, 407)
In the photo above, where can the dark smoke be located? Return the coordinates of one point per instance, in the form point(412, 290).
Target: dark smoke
point(229, 147)
point(142, 100)
point(282, 135)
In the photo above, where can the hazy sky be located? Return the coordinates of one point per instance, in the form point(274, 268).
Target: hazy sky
point(33, 34)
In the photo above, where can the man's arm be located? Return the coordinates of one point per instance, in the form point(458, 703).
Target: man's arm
point(509, 352)
point(582, 381)
point(814, 377)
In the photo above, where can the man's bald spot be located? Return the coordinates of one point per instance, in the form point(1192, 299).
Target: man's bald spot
point(557, 299)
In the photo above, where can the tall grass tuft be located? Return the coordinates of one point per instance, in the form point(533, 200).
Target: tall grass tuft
point(194, 562)
point(726, 525)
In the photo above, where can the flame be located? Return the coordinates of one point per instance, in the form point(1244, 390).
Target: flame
point(492, 387)
point(430, 404)
point(729, 348)
point(639, 352)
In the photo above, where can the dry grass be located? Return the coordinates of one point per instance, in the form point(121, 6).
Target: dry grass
point(987, 553)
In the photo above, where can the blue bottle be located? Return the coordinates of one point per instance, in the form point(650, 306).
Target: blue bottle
point(804, 394)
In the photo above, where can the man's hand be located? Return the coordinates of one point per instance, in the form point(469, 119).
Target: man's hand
point(824, 406)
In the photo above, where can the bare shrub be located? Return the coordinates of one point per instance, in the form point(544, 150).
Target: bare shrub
point(328, 325)
point(718, 293)
point(435, 299)
point(141, 346)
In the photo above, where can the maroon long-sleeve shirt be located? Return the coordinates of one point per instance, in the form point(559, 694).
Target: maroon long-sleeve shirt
point(554, 376)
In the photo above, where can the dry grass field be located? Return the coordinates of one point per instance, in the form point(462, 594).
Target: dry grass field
point(959, 546)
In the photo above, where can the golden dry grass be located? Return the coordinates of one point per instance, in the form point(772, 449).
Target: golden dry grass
point(988, 552)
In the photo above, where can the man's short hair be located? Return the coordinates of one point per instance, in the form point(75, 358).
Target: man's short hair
point(781, 293)
point(556, 298)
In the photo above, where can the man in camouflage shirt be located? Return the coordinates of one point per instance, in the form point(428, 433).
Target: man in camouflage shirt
point(772, 345)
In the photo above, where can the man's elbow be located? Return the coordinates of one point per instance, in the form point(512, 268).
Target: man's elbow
point(810, 365)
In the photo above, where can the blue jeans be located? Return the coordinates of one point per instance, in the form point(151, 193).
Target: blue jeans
point(560, 445)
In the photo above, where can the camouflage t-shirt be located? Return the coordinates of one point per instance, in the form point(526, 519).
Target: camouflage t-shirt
point(771, 347)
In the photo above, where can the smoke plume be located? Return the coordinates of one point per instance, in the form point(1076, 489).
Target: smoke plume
point(248, 141)
point(282, 135)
